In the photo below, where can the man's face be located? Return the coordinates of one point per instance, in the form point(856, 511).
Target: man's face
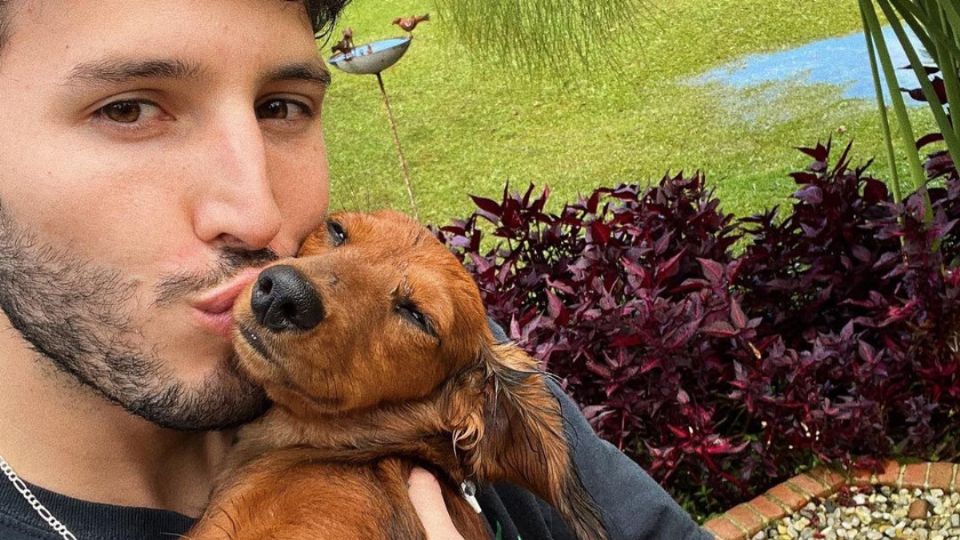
point(151, 154)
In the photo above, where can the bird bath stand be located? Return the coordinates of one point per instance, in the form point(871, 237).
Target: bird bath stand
point(371, 59)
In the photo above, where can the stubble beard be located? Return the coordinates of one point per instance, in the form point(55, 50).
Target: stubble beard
point(77, 317)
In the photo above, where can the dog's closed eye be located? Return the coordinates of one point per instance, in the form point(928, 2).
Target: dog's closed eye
point(337, 233)
point(409, 311)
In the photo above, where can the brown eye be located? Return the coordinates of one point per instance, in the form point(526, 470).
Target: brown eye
point(282, 109)
point(122, 112)
point(273, 109)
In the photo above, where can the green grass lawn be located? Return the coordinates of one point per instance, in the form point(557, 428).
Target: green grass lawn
point(469, 125)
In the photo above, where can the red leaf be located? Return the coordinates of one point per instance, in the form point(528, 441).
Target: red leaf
point(649, 364)
point(929, 138)
point(669, 268)
point(556, 309)
point(861, 253)
point(719, 329)
point(804, 177)
point(593, 202)
point(736, 315)
point(561, 286)
point(633, 268)
point(722, 446)
point(626, 340)
point(487, 205)
point(811, 194)
point(712, 270)
point(875, 191)
point(600, 232)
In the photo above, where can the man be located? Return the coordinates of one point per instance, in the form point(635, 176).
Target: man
point(153, 155)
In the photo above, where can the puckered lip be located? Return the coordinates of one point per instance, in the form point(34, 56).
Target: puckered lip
point(221, 299)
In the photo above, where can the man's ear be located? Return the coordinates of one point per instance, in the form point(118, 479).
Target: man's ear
point(508, 426)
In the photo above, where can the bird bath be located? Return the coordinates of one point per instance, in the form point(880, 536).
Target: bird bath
point(372, 58)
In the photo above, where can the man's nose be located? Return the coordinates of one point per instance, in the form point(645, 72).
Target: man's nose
point(237, 206)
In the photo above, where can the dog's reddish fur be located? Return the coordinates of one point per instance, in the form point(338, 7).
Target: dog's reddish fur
point(367, 393)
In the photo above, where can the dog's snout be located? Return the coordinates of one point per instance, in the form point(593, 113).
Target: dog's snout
point(283, 299)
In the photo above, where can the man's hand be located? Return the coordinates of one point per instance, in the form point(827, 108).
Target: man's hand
point(426, 497)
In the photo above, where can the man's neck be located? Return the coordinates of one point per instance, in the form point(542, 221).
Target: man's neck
point(64, 437)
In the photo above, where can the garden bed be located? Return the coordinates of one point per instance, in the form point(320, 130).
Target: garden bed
point(724, 355)
point(825, 503)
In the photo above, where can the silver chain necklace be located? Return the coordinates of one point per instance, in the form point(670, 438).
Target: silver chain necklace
point(40, 509)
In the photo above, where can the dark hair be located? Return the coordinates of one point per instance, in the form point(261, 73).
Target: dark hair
point(323, 16)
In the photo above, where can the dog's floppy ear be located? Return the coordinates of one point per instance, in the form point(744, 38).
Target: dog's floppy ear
point(508, 426)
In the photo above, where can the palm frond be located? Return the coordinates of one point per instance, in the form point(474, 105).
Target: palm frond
point(936, 25)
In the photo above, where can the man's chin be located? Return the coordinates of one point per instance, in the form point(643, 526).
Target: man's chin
point(223, 400)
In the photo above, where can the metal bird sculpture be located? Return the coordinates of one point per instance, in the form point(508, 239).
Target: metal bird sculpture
point(409, 23)
point(345, 45)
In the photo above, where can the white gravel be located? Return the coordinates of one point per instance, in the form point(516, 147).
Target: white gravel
point(876, 513)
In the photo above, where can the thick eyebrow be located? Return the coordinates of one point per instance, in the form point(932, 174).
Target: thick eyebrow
point(118, 71)
point(302, 71)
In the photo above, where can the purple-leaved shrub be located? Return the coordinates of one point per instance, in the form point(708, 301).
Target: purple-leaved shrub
point(723, 355)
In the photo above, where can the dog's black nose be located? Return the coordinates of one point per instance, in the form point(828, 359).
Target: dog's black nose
point(283, 299)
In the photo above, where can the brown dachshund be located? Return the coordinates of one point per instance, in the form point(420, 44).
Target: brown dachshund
point(374, 346)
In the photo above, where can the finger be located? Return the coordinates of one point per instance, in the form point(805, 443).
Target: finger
point(427, 499)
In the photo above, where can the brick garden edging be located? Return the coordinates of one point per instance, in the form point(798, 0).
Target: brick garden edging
point(747, 519)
